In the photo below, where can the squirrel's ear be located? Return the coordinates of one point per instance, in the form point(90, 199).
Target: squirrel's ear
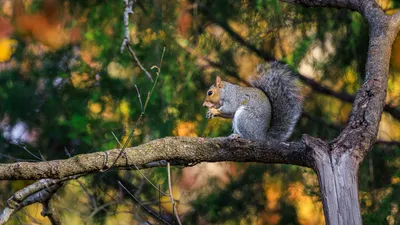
point(218, 82)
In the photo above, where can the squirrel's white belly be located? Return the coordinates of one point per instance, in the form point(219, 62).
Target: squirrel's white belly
point(235, 120)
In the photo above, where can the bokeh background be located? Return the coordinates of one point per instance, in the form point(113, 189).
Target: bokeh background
point(65, 89)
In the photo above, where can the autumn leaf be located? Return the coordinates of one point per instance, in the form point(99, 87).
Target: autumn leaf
point(7, 47)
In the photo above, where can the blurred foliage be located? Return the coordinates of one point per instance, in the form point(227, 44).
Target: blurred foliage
point(65, 88)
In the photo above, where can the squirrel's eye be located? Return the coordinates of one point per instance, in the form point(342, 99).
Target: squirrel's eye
point(209, 93)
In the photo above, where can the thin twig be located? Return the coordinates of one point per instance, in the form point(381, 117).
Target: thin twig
point(89, 196)
point(140, 99)
point(147, 209)
point(106, 167)
point(102, 207)
point(133, 54)
point(30, 153)
point(115, 137)
point(128, 4)
point(159, 200)
point(162, 58)
point(141, 173)
point(67, 152)
point(140, 117)
point(171, 195)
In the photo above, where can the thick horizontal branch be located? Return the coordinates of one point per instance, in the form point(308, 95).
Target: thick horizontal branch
point(184, 150)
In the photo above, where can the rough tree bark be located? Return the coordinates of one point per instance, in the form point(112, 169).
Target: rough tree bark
point(336, 162)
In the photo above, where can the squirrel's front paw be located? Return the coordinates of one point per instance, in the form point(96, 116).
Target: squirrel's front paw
point(209, 114)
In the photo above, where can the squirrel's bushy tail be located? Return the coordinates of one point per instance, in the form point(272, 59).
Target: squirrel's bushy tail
point(279, 83)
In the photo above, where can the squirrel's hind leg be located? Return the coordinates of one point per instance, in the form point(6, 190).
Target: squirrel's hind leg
point(248, 124)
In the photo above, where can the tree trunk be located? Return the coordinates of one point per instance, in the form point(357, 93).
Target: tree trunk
point(338, 180)
point(339, 188)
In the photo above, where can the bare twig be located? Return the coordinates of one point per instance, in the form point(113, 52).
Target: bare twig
point(106, 167)
point(141, 173)
point(102, 207)
point(140, 99)
point(133, 54)
point(128, 4)
point(67, 152)
point(89, 196)
point(139, 120)
point(115, 137)
point(30, 153)
point(147, 209)
point(171, 194)
point(159, 201)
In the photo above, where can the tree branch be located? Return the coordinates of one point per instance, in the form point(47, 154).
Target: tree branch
point(361, 132)
point(40, 191)
point(181, 150)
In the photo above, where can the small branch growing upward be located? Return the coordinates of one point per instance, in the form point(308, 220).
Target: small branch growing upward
point(128, 4)
point(133, 54)
point(128, 10)
point(139, 120)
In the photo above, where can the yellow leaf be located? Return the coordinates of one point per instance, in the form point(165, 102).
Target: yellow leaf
point(124, 107)
point(7, 47)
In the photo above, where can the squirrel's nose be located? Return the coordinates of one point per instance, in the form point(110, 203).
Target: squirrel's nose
point(204, 104)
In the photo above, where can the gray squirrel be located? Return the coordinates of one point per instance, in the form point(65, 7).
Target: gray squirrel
point(268, 110)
